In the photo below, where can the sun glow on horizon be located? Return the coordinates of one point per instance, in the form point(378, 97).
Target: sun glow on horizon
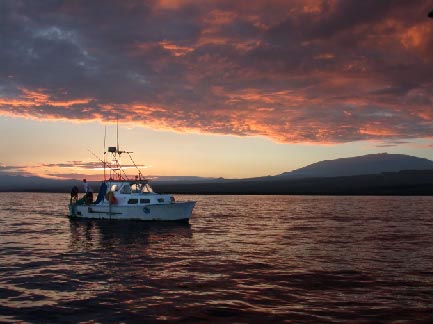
point(166, 153)
point(213, 89)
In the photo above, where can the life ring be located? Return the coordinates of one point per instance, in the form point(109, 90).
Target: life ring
point(109, 196)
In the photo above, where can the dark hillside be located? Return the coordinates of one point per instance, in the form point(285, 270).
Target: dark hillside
point(390, 183)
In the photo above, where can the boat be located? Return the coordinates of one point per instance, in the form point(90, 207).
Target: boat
point(121, 198)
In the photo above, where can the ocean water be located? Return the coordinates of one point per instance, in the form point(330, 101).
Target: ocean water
point(298, 259)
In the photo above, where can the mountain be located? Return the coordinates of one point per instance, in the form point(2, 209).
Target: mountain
point(404, 183)
point(358, 165)
point(179, 179)
point(37, 184)
point(340, 171)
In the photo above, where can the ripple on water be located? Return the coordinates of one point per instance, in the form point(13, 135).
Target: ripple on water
point(243, 258)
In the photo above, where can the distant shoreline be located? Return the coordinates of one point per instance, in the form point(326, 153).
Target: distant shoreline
point(405, 183)
point(262, 194)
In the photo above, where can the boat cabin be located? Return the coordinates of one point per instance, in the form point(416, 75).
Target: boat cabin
point(130, 187)
point(136, 192)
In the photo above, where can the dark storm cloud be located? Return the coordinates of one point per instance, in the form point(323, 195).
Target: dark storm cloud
point(298, 71)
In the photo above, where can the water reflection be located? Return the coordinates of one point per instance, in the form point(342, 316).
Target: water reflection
point(88, 234)
point(244, 258)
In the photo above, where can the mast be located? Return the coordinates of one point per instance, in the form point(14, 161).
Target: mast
point(114, 165)
point(117, 117)
point(105, 160)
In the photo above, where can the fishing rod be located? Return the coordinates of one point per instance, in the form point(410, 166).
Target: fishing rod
point(109, 166)
point(140, 175)
point(119, 167)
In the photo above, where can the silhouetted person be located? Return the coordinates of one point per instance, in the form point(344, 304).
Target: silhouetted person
point(74, 193)
point(86, 186)
point(89, 192)
point(102, 192)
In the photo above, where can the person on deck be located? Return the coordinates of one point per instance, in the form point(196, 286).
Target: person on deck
point(86, 186)
point(102, 192)
point(89, 192)
point(74, 193)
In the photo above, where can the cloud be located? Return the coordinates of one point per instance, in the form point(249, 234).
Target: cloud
point(68, 170)
point(12, 169)
point(298, 71)
point(80, 165)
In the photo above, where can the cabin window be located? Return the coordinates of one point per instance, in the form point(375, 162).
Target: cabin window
point(160, 200)
point(114, 188)
point(126, 189)
point(136, 188)
point(146, 188)
point(133, 201)
point(144, 201)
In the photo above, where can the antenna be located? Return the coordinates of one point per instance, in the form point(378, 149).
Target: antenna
point(114, 169)
point(105, 136)
point(117, 133)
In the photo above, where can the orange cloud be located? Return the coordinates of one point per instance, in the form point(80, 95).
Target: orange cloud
point(418, 39)
point(297, 71)
point(37, 98)
point(176, 50)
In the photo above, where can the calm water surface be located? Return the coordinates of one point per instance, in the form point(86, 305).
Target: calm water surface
point(299, 259)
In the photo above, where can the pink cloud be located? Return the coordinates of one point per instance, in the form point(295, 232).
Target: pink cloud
point(298, 71)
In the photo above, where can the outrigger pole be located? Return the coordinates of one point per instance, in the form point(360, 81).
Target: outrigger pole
point(112, 169)
point(115, 151)
point(139, 172)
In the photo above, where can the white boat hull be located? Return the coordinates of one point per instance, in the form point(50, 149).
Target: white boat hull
point(179, 211)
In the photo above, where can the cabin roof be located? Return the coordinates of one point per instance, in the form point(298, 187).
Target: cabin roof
point(127, 181)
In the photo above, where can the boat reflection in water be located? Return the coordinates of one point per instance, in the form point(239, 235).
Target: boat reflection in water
point(126, 269)
point(88, 234)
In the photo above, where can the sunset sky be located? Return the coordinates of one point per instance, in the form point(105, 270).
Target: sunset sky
point(212, 88)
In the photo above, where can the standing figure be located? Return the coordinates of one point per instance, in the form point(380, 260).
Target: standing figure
point(89, 192)
point(74, 193)
point(102, 192)
point(86, 186)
